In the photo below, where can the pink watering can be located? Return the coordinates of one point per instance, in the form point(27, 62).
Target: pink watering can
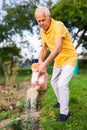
point(41, 81)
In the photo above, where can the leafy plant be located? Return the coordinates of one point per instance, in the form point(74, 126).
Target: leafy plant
point(24, 123)
point(5, 114)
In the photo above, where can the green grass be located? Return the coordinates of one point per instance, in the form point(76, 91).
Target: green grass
point(23, 74)
point(78, 106)
point(78, 102)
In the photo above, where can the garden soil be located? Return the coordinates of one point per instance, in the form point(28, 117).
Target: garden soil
point(21, 92)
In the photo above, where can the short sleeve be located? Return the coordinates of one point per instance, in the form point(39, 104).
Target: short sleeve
point(60, 29)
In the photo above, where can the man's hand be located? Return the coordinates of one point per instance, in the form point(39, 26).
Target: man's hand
point(41, 69)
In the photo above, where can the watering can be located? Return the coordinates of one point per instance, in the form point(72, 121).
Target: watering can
point(41, 81)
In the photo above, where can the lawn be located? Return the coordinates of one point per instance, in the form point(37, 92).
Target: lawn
point(78, 102)
point(78, 105)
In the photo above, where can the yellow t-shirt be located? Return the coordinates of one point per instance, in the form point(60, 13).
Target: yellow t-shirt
point(68, 55)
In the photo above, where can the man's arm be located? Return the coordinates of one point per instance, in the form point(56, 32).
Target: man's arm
point(43, 53)
point(57, 49)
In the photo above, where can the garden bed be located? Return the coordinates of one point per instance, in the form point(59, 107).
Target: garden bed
point(13, 109)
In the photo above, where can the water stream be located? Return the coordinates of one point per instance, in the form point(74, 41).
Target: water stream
point(31, 98)
point(30, 109)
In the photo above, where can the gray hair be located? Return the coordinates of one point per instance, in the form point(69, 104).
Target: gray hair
point(44, 9)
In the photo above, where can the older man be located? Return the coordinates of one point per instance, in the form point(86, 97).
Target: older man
point(56, 37)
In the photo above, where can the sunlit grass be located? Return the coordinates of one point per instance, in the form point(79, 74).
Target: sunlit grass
point(78, 106)
point(78, 102)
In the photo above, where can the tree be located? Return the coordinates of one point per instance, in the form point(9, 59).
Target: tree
point(8, 53)
point(73, 14)
point(19, 17)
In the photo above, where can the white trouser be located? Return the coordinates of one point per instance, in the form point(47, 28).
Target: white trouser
point(60, 80)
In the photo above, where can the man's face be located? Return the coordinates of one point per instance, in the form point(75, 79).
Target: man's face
point(43, 20)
